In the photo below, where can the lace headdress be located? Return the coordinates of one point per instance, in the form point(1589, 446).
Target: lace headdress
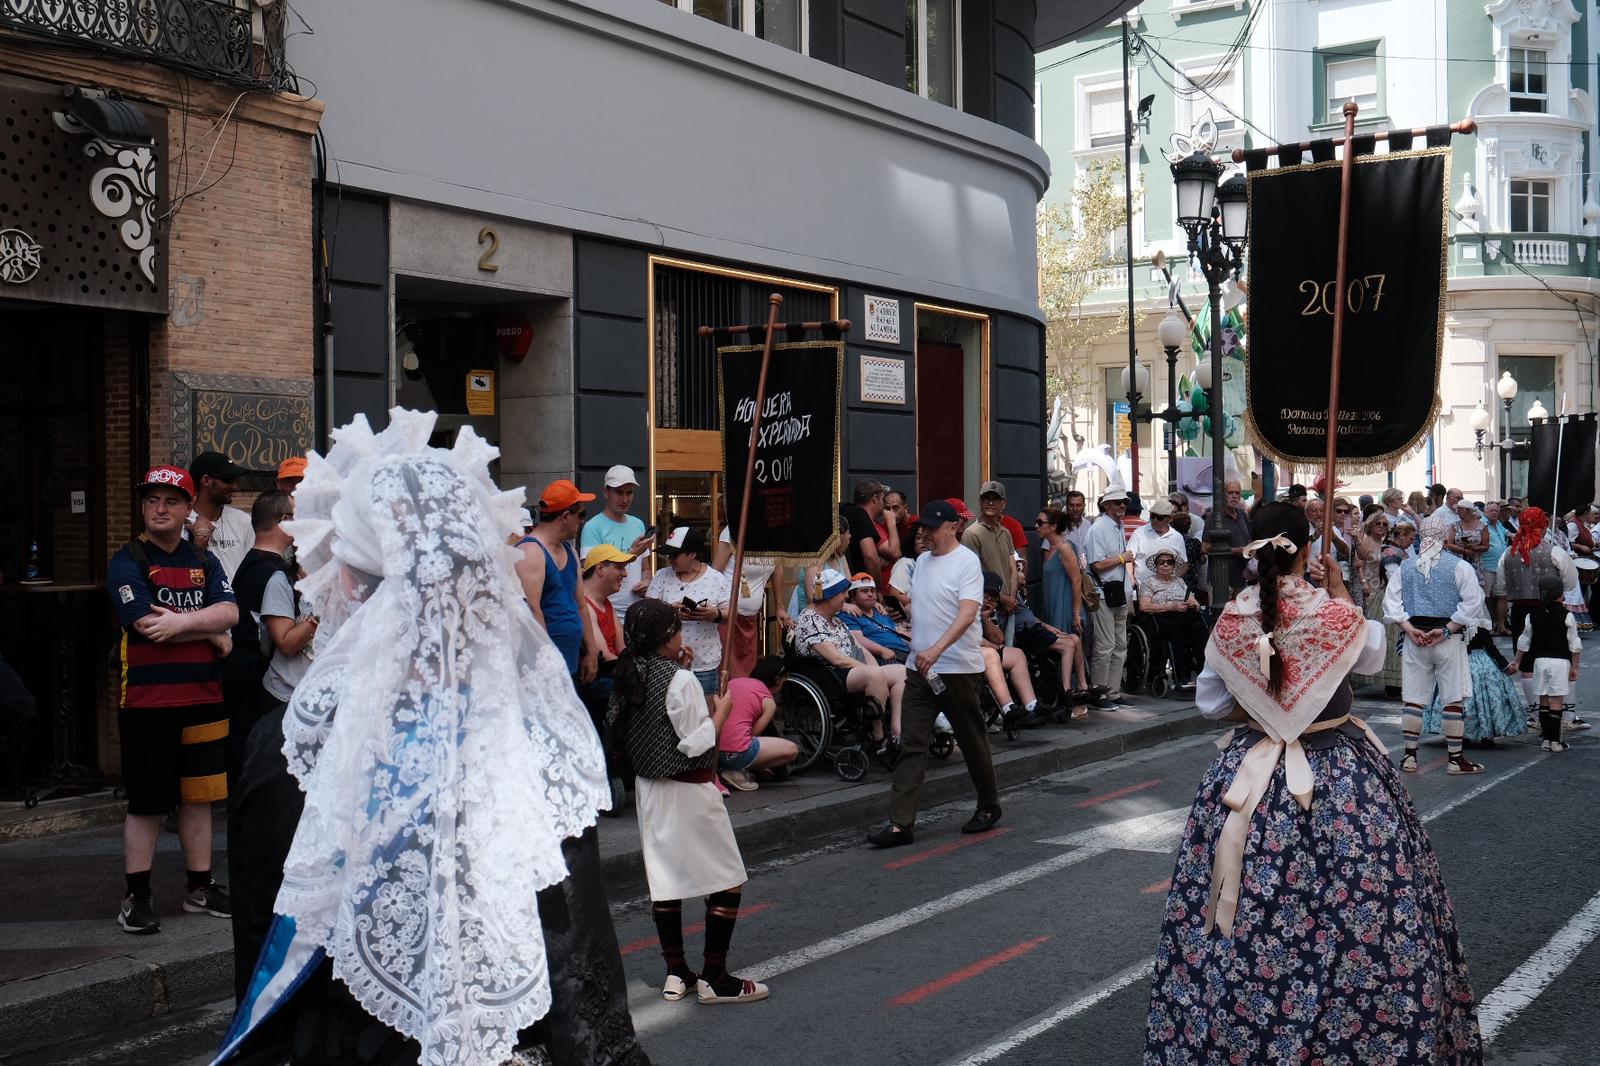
point(441, 747)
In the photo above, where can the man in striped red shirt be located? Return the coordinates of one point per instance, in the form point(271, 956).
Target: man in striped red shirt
point(176, 609)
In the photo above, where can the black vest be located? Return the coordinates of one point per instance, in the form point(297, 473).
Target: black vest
point(1549, 633)
point(647, 733)
point(249, 588)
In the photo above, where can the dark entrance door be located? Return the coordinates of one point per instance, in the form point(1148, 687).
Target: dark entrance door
point(941, 411)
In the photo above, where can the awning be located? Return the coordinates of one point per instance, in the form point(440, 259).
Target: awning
point(1061, 21)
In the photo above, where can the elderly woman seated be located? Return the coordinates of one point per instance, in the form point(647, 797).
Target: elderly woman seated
point(1167, 600)
point(820, 632)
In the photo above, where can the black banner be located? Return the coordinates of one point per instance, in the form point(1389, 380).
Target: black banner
point(794, 512)
point(1562, 451)
point(1394, 308)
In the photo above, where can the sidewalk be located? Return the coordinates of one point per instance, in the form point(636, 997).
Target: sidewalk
point(67, 970)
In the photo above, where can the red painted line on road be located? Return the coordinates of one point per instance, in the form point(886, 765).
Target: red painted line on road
point(698, 927)
point(1119, 793)
point(1159, 886)
point(966, 973)
point(944, 849)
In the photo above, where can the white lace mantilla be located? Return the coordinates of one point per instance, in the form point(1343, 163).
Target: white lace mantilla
point(442, 749)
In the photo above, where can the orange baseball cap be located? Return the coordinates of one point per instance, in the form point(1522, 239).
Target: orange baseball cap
point(294, 466)
point(562, 494)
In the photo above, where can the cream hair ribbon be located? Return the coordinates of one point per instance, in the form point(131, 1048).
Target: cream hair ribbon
point(1279, 541)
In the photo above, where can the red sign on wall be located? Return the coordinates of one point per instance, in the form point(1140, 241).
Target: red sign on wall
point(514, 334)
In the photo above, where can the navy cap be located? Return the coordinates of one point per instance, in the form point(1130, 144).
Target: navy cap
point(992, 582)
point(936, 513)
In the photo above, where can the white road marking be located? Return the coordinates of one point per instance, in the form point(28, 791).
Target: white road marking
point(1050, 1019)
point(1151, 832)
point(1560, 956)
point(1517, 992)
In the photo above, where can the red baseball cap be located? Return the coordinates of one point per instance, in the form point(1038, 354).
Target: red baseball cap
point(962, 511)
point(168, 477)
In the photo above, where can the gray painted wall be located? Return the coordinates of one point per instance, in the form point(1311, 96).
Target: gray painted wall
point(633, 120)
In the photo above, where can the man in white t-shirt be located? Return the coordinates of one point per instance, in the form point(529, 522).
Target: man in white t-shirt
point(623, 531)
point(215, 526)
point(944, 674)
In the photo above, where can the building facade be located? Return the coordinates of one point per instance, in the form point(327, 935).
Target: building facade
point(155, 301)
point(1523, 293)
point(529, 242)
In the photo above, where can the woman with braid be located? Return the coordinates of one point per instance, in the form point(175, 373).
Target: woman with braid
point(1307, 919)
point(660, 712)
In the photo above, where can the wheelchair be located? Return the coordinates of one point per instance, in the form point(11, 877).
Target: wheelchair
point(1148, 667)
point(827, 722)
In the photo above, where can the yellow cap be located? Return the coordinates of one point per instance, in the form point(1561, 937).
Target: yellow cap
point(605, 553)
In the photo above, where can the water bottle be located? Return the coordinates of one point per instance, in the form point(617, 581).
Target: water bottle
point(935, 682)
point(32, 572)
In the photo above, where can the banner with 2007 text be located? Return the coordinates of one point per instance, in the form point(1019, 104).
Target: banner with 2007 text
point(1393, 308)
point(794, 503)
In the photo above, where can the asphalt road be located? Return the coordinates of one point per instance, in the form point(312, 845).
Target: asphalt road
point(1032, 944)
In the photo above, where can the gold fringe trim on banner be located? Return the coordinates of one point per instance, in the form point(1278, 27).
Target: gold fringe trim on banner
point(831, 546)
point(1376, 463)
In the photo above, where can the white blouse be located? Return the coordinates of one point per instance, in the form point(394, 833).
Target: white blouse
point(686, 710)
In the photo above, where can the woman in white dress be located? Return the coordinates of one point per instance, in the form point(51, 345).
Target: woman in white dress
point(660, 713)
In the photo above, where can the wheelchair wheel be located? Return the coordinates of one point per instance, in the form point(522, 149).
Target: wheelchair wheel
point(1136, 669)
point(850, 763)
point(942, 746)
point(805, 718)
point(1159, 686)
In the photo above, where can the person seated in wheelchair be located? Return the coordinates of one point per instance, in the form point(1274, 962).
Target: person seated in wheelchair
point(874, 629)
point(820, 633)
point(1167, 601)
point(1001, 661)
point(1039, 639)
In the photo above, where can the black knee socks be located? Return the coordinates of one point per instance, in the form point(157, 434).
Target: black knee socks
point(722, 911)
point(668, 914)
point(1549, 724)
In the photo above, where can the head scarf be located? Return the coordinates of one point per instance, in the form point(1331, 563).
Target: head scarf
point(441, 747)
point(1531, 525)
point(1434, 529)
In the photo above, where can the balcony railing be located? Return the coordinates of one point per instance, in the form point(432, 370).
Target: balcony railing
point(237, 44)
point(1551, 254)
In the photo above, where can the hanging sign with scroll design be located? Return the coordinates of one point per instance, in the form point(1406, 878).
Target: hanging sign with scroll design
point(256, 430)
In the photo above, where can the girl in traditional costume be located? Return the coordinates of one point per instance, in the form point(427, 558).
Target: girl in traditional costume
point(1495, 707)
point(440, 899)
point(1307, 920)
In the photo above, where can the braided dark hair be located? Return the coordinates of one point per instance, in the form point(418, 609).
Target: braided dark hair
point(1271, 520)
point(646, 627)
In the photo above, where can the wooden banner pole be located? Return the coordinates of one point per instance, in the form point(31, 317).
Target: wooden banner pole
point(776, 300)
point(1341, 268)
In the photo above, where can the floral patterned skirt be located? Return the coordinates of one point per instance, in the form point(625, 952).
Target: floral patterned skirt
point(1493, 710)
point(1344, 950)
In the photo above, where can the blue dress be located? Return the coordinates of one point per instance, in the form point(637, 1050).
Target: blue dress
point(1495, 707)
point(1058, 596)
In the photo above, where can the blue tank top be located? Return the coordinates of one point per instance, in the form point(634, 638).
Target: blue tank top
point(559, 603)
point(1057, 594)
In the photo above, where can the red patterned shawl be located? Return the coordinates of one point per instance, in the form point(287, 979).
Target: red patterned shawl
point(1319, 639)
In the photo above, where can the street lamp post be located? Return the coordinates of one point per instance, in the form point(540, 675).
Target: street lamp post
point(1216, 219)
point(1172, 333)
point(1506, 388)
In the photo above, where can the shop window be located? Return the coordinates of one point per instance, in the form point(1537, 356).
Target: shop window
point(1530, 206)
point(1526, 80)
point(933, 48)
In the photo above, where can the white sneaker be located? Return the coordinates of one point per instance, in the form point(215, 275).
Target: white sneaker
point(942, 724)
point(740, 780)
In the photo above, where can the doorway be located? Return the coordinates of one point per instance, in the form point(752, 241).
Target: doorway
point(952, 402)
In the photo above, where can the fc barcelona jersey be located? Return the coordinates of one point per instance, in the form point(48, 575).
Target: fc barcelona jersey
point(168, 674)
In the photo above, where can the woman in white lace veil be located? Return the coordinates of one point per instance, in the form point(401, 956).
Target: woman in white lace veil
point(442, 751)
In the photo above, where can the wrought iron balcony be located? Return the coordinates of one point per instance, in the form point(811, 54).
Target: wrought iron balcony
point(234, 43)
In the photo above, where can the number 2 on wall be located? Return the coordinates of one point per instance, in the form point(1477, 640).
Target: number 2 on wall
point(492, 239)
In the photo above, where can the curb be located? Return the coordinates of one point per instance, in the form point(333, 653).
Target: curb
point(109, 993)
point(84, 812)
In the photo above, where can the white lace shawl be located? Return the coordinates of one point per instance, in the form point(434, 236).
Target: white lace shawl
point(438, 739)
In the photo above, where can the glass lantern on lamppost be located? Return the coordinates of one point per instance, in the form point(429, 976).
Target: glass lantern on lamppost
point(1216, 219)
point(1479, 420)
point(1506, 389)
point(1172, 333)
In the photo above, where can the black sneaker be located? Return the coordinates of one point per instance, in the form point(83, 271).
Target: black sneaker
point(209, 899)
point(138, 915)
point(1102, 704)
